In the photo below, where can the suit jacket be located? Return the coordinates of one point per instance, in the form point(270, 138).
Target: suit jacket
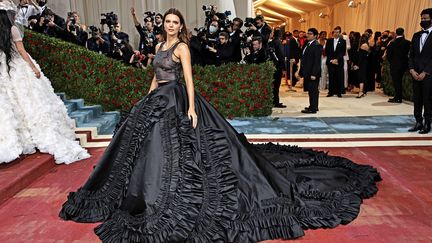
point(421, 61)
point(311, 61)
point(236, 41)
point(279, 51)
point(295, 49)
point(397, 53)
point(338, 54)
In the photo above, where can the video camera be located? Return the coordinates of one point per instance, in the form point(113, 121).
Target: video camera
point(110, 19)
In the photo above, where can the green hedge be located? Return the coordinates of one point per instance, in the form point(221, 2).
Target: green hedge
point(235, 90)
point(387, 83)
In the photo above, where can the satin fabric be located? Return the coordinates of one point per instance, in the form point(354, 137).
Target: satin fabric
point(160, 180)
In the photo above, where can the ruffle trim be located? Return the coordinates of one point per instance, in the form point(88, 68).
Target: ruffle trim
point(335, 207)
point(94, 206)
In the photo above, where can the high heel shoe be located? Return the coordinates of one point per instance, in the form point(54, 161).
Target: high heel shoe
point(361, 95)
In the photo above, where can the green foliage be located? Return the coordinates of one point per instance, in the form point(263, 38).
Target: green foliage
point(387, 83)
point(235, 90)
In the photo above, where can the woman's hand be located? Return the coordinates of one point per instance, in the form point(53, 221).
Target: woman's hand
point(37, 72)
point(193, 117)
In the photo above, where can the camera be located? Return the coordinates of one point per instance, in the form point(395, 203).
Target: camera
point(72, 21)
point(245, 41)
point(118, 46)
point(47, 19)
point(249, 22)
point(94, 31)
point(149, 16)
point(272, 54)
point(109, 19)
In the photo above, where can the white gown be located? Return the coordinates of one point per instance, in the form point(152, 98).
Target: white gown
point(32, 115)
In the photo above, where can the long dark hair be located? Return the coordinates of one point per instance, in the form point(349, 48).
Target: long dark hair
point(5, 38)
point(183, 36)
point(364, 39)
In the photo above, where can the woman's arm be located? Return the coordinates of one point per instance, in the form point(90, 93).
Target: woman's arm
point(25, 56)
point(184, 55)
point(154, 84)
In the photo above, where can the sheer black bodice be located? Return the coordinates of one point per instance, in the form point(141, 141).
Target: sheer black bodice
point(165, 68)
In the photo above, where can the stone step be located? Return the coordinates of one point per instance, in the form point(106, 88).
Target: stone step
point(90, 116)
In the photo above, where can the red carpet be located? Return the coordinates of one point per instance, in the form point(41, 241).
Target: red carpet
point(400, 212)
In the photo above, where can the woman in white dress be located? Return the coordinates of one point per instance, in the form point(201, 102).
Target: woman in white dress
point(31, 115)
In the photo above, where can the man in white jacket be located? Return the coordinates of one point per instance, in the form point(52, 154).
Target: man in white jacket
point(27, 8)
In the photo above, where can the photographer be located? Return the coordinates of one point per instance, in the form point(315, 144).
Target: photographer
point(261, 28)
point(122, 51)
point(116, 37)
point(258, 54)
point(224, 50)
point(235, 33)
point(98, 42)
point(75, 31)
point(276, 54)
point(148, 40)
point(51, 24)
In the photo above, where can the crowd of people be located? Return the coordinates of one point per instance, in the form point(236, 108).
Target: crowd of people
point(346, 60)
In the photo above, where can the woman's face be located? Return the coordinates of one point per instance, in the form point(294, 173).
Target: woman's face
point(172, 25)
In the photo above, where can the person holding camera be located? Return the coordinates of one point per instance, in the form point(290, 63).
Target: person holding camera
point(75, 31)
point(147, 36)
point(98, 42)
point(51, 24)
point(210, 40)
point(223, 50)
point(261, 28)
point(258, 54)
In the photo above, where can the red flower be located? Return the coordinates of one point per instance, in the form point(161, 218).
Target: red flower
point(215, 89)
point(84, 66)
point(242, 101)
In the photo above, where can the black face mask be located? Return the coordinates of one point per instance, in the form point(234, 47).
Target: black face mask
point(384, 37)
point(41, 3)
point(425, 24)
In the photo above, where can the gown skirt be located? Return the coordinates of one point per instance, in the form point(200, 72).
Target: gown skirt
point(161, 180)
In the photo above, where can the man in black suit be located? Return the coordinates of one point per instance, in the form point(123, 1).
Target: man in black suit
point(335, 51)
point(296, 52)
point(235, 32)
point(397, 55)
point(276, 54)
point(261, 28)
point(420, 67)
point(310, 69)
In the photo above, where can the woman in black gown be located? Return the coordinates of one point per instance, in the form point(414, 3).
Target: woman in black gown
point(176, 171)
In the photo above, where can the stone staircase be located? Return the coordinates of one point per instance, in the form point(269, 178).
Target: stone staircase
point(90, 116)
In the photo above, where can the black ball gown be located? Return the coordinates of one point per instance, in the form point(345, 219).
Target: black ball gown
point(161, 180)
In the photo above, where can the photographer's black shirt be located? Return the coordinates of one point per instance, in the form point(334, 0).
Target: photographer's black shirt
point(256, 57)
